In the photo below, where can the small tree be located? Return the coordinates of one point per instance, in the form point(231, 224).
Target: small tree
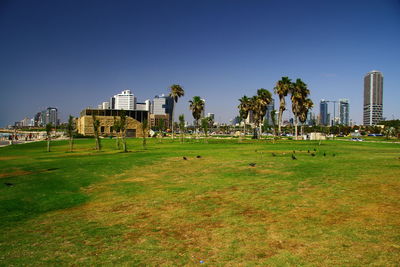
point(182, 126)
point(117, 129)
point(161, 129)
point(123, 129)
point(71, 132)
point(145, 132)
point(49, 127)
point(96, 125)
point(204, 124)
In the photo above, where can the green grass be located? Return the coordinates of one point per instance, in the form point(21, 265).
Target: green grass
point(151, 207)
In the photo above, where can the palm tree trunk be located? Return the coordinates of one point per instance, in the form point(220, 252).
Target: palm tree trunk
point(48, 143)
point(279, 121)
point(295, 128)
point(173, 108)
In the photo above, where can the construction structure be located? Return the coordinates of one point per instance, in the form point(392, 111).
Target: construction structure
point(107, 118)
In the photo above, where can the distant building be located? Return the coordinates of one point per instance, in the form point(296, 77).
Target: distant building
point(270, 108)
point(204, 108)
point(161, 109)
point(373, 98)
point(50, 115)
point(323, 113)
point(344, 108)
point(125, 100)
point(211, 116)
point(144, 106)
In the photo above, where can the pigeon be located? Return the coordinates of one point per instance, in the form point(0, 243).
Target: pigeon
point(294, 152)
point(273, 154)
point(293, 157)
point(198, 157)
point(9, 184)
point(334, 155)
point(312, 154)
point(252, 164)
point(308, 151)
point(315, 149)
point(324, 154)
point(184, 158)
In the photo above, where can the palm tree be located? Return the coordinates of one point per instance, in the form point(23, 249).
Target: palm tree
point(299, 93)
point(282, 88)
point(244, 108)
point(176, 92)
point(273, 120)
point(258, 105)
point(71, 132)
point(197, 107)
point(96, 125)
point(307, 105)
point(49, 127)
point(182, 126)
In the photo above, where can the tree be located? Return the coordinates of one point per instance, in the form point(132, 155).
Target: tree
point(176, 92)
point(123, 124)
point(299, 93)
point(161, 128)
point(182, 126)
point(244, 108)
point(71, 132)
point(273, 120)
point(49, 127)
point(282, 88)
point(96, 125)
point(204, 124)
point(117, 129)
point(145, 132)
point(197, 107)
point(306, 106)
point(258, 104)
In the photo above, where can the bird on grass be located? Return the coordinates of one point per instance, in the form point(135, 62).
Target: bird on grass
point(252, 164)
point(293, 157)
point(184, 158)
point(8, 184)
point(198, 157)
point(315, 149)
point(312, 154)
point(294, 151)
point(273, 154)
point(334, 155)
point(308, 151)
point(324, 154)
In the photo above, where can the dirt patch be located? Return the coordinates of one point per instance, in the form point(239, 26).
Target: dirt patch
point(14, 173)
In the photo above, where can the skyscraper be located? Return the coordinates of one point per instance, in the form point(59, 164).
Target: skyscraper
point(373, 96)
point(323, 112)
point(125, 100)
point(270, 108)
point(344, 112)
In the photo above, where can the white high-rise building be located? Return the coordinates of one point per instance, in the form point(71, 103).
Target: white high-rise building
point(125, 100)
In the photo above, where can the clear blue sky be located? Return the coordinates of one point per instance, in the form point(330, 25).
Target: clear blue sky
point(74, 54)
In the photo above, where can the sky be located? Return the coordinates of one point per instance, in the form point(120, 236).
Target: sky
point(75, 54)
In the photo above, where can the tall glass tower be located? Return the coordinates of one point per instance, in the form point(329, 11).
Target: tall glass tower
point(373, 95)
point(323, 112)
point(344, 112)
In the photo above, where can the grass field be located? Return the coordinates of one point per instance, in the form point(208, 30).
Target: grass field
point(151, 207)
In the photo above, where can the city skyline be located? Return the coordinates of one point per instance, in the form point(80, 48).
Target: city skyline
point(71, 55)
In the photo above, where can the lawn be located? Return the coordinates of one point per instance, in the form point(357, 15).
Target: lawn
point(340, 207)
